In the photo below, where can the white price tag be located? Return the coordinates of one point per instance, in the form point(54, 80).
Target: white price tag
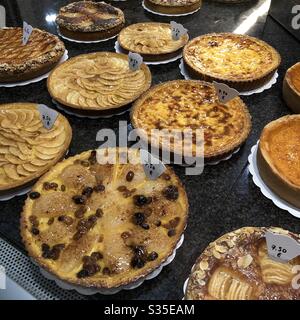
point(178, 30)
point(135, 61)
point(282, 247)
point(224, 92)
point(2, 278)
point(48, 116)
point(27, 30)
point(2, 17)
point(153, 167)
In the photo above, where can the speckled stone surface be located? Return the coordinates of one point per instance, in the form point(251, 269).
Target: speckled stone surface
point(224, 197)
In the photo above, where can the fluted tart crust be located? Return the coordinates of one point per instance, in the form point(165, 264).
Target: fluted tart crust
point(19, 63)
point(173, 6)
point(291, 88)
point(237, 267)
point(240, 61)
point(98, 81)
point(152, 40)
point(105, 225)
point(191, 104)
point(27, 149)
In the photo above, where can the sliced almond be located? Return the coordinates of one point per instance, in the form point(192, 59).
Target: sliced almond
point(245, 261)
point(204, 265)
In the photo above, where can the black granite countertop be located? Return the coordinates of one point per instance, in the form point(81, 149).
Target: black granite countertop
point(224, 197)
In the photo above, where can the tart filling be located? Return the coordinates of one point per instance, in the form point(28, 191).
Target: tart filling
point(173, 6)
point(103, 225)
point(17, 62)
point(186, 104)
point(291, 88)
point(241, 61)
point(27, 149)
point(98, 81)
point(237, 267)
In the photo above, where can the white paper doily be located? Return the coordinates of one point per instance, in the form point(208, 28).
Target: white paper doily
point(91, 291)
point(169, 14)
point(265, 190)
point(120, 50)
point(81, 41)
point(44, 76)
point(268, 85)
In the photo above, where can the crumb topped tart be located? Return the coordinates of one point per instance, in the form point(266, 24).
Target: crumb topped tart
point(191, 104)
point(20, 62)
point(237, 267)
point(152, 40)
point(291, 88)
point(98, 82)
point(103, 226)
point(173, 6)
point(242, 62)
point(88, 20)
point(278, 157)
point(27, 149)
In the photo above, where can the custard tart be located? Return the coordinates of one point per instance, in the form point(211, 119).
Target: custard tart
point(190, 104)
point(98, 82)
point(240, 61)
point(90, 21)
point(173, 6)
point(278, 157)
point(20, 62)
point(27, 148)
point(103, 225)
point(237, 266)
point(152, 40)
point(291, 88)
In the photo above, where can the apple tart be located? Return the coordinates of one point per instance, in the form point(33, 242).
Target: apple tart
point(190, 104)
point(20, 62)
point(27, 148)
point(240, 61)
point(237, 266)
point(90, 21)
point(173, 6)
point(152, 40)
point(291, 88)
point(100, 82)
point(103, 225)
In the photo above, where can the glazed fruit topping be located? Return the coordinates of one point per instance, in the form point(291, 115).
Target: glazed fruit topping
point(34, 195)
point(171, 193)
point(99, 188)
point(139, 218)
point(130, 176)
point(50, 186)
point(34, 221)
point(79, 199)
point(87, 192)
point(66, 219)
point(141, 256)
point(79, 213)
point(35, 231)
point(140, 200)
point(52, 253)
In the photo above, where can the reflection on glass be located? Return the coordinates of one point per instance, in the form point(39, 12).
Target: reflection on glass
point(50, 18)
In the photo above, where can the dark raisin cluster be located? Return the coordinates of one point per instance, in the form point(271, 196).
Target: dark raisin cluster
point(141, 257)
point(171, 193)
point(84, 225)
point(90, 265)
point(141, 200)
point(52, 253)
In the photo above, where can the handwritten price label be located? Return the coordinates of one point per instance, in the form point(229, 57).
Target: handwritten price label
point(224, 92)
point(27, 30)
point(153, 167)
point(135, 61)
point(178, 30)
point(2, 17)
point(48, 116)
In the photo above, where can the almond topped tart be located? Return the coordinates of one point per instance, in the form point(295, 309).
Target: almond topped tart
point(20, 62)
point(98, 83)
point(291, 88)
point(152, 40)
point(27, 148)
point(173, 6)
point(242, 62)
point(278, 157)
point(103, 225)
point(90, 21)
point(191, 104)
point(237, 266)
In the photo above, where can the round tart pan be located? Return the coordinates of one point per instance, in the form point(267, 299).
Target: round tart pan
point(172, 9)
point(291, 94)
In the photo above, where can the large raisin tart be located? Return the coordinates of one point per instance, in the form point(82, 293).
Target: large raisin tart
point(152, 40)
point(100, 82)
point(278, 157)
point(237, 267)
point(242, 62)
point(191, 104)
point(20, 62)
point(291, 88)
point(173, 6)
point(90, 21)
point(27, 148)
point(103, 225)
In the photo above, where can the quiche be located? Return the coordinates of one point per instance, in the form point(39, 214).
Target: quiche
point(278, 157)
point(291, 88)
point(152, 40)
point(20, 62)
point(237, 267)
point(189, 104)
point(100, 81)
point(27, 148)
point(90, 21)
point(173, 6)
point(103, 224)
point(240, 61)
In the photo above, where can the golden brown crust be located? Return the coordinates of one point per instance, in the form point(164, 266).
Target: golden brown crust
point(24, 154)
point(19, 63)
point(116, 219)
point(291, 88)
point(240, 61)
point(174, 7)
